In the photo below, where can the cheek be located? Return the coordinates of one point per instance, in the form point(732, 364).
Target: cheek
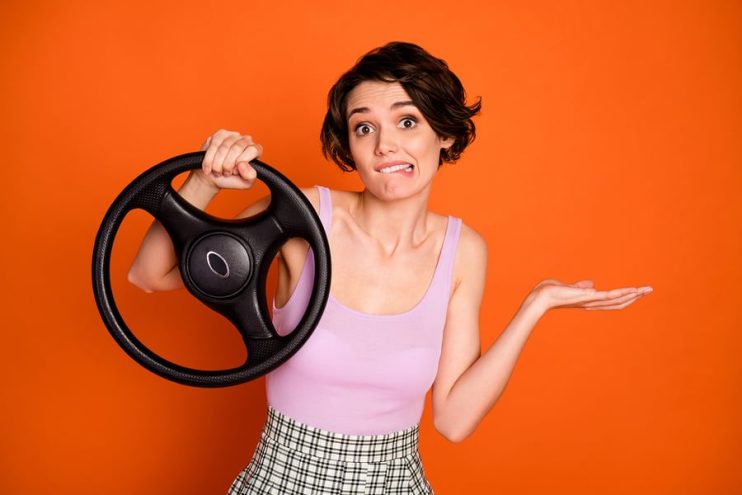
point(360, 156)
point(356, 146)
point(430, 149)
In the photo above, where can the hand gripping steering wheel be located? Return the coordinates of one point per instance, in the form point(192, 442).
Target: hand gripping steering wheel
point(223, 263)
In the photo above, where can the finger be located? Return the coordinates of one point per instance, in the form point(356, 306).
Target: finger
point(217, 167)
point(548, 281)
point(244, 168)
point(615, 293)
point(585, 284)
point(238, 147)
point(247, 172)
point(214, 142)
point(206, 144)
point(249, 152)
point(615, 306)
point(208, 158)
point(582, 296)
point(612, 302)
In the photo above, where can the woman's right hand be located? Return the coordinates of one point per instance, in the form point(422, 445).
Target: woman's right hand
point(226, 164)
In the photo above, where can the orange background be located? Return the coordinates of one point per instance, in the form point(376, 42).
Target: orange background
point(608, 148)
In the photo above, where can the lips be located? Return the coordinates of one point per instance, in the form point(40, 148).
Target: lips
point(392, 167)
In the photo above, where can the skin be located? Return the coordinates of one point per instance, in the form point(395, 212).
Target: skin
point(384, 246)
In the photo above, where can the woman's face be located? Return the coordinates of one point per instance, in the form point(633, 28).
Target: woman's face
point(394, 148)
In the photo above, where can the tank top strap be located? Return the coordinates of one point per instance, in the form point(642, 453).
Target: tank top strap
point(443, 277)
point(287, 317)
point(325, 209)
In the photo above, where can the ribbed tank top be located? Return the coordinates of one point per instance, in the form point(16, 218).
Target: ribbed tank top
point(360, 373)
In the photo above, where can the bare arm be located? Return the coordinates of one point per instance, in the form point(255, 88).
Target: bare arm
point(468, 385)
point(225, 166)
point(155, 266)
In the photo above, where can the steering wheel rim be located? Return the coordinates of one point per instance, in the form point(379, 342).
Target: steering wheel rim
point(238, 252)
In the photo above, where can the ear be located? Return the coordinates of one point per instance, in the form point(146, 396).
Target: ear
point(446, 142)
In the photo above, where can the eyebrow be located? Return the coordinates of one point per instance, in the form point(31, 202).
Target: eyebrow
point(395, 105)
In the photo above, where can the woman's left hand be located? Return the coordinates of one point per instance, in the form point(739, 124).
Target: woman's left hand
point(551, 294)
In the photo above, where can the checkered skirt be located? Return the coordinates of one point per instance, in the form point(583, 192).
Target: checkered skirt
point(294, 458)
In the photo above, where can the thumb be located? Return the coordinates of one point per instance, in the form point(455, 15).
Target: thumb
point(584, 284)
point(246, 171)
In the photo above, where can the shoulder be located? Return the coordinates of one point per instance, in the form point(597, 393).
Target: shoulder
point(338, 198)
point(471, 241)
point(343, 199)
point(312, 194)
point(471, 256)
point(471, 244)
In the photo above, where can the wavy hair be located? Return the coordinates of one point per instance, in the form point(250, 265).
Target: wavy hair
point(434, 89)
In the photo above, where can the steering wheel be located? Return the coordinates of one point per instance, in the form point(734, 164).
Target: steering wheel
point(223, 263)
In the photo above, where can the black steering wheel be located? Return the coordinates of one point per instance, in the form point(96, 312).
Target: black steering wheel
point(223, 263)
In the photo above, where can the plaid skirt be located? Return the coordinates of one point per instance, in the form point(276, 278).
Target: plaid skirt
point(294, 458)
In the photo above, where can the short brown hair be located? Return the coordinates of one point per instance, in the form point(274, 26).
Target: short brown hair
point(433, 87)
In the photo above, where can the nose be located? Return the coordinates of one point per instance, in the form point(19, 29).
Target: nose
point(386, 141)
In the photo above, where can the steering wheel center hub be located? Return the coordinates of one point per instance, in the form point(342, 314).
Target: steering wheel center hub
point(222, 263)
point(219, 265)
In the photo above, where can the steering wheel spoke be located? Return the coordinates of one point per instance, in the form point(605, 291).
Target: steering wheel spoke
point(224, 263)
point(183, 221)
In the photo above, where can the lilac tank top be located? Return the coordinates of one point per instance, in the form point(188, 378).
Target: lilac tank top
point(360, 373)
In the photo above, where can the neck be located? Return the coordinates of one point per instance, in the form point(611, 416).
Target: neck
point(393, 224)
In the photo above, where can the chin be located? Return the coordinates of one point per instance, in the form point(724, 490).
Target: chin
point(396, 192)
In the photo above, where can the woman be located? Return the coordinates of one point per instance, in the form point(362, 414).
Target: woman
point(407, 285)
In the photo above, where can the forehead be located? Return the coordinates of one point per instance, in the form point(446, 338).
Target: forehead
point(372, 94)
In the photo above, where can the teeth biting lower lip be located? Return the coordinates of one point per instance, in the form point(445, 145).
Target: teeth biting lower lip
point(396, 168)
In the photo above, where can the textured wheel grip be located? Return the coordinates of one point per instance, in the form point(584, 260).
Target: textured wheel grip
point(289, 215)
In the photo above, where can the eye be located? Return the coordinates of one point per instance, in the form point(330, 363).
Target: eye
point(408, 122)
point(363, 129)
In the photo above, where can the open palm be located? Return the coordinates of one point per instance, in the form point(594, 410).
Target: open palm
point(553, 294)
